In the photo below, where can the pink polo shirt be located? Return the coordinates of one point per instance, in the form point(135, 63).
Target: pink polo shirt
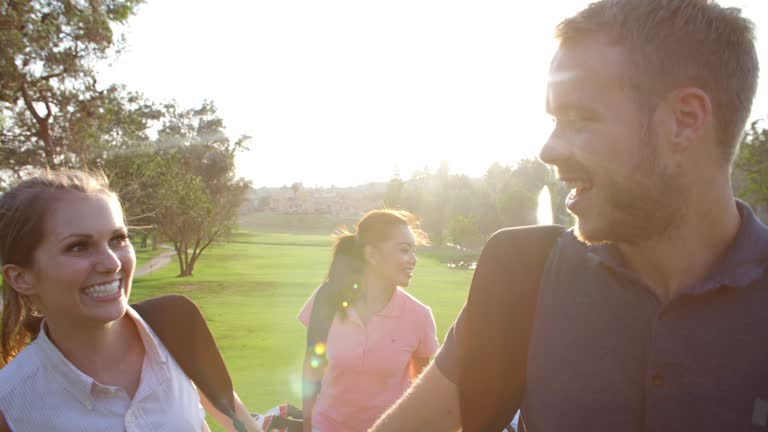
point(369, 365)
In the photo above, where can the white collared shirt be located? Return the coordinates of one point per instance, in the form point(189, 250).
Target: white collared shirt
point(40, 390)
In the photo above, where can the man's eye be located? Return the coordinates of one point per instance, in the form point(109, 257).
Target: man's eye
point(575, 122)
point(77, 247)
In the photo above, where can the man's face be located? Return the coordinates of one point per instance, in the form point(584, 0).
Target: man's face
point(606, 148)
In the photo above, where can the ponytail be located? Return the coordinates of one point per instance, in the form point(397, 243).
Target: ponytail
point(343, 274)
point(21, 324)
point(334, 296)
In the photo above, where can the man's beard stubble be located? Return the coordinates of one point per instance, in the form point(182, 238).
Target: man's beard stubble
point(645, 206)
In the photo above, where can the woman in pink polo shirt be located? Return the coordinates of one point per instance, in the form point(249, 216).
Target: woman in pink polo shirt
point(367, 338)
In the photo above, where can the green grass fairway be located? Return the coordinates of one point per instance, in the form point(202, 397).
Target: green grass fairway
point(144, 255)
point(251, 290)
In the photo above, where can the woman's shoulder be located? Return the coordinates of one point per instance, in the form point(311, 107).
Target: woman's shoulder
point(413, 304)
point(16, 375)
point(306, 311)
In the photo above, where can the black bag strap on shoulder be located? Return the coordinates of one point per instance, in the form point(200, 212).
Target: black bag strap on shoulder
point(324, 309)
point(180, 325)
point(498, 320)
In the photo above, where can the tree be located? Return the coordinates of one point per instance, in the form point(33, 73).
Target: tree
point(393, 195)
point(751, 167)
point(510, 194)
point(516, 206)
point(53, 114)
point(464, 231)
point(198, 196)
point(532, 175)
point(496, 176)
point(136, 176)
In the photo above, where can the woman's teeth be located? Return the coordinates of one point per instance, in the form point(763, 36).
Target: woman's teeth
point(103, 290)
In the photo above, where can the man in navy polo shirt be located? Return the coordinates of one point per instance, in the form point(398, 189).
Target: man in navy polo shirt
point(653, 311)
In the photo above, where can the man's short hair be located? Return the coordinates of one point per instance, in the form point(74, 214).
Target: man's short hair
point(673, 44)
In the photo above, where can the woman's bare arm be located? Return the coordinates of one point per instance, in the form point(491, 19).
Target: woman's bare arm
point(418, 364)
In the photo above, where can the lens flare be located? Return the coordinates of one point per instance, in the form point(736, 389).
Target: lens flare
point(320, 348)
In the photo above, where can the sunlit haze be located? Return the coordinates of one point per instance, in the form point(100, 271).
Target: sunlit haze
point(348, 92)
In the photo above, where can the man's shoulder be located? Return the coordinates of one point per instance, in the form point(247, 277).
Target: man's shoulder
point(553, 237)
point(526, 233)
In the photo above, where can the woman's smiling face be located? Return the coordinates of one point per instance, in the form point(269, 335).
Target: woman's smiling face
point(395, 258)
point(83, 269)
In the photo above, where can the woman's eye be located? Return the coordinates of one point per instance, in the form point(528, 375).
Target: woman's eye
point(120, 240)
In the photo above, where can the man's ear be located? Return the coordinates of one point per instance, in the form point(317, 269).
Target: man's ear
point(19, 278)
point(692, 116)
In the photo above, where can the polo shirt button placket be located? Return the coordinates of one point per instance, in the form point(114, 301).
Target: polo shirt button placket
point(657, 382)
point(130, 420)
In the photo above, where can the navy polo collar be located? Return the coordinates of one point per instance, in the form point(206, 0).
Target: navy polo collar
point(743, 262)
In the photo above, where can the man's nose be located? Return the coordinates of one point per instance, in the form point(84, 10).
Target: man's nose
point(554, 150)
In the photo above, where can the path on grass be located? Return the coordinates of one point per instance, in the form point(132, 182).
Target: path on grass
point(155, 263)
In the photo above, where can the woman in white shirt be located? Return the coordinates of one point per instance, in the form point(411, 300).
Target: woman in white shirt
point(93, 363)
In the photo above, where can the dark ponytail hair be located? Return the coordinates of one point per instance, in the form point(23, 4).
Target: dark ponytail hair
point(23, 212)
point(344, 272)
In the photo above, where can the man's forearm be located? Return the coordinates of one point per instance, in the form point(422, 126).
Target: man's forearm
point(431, 404)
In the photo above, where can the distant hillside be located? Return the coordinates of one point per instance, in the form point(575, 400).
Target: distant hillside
point(337, 203)
point(268, 222)
point(453, 208)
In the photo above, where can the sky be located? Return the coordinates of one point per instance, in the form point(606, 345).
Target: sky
point(345, 92)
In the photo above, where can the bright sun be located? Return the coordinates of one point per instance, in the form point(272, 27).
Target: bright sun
point(345, 92)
